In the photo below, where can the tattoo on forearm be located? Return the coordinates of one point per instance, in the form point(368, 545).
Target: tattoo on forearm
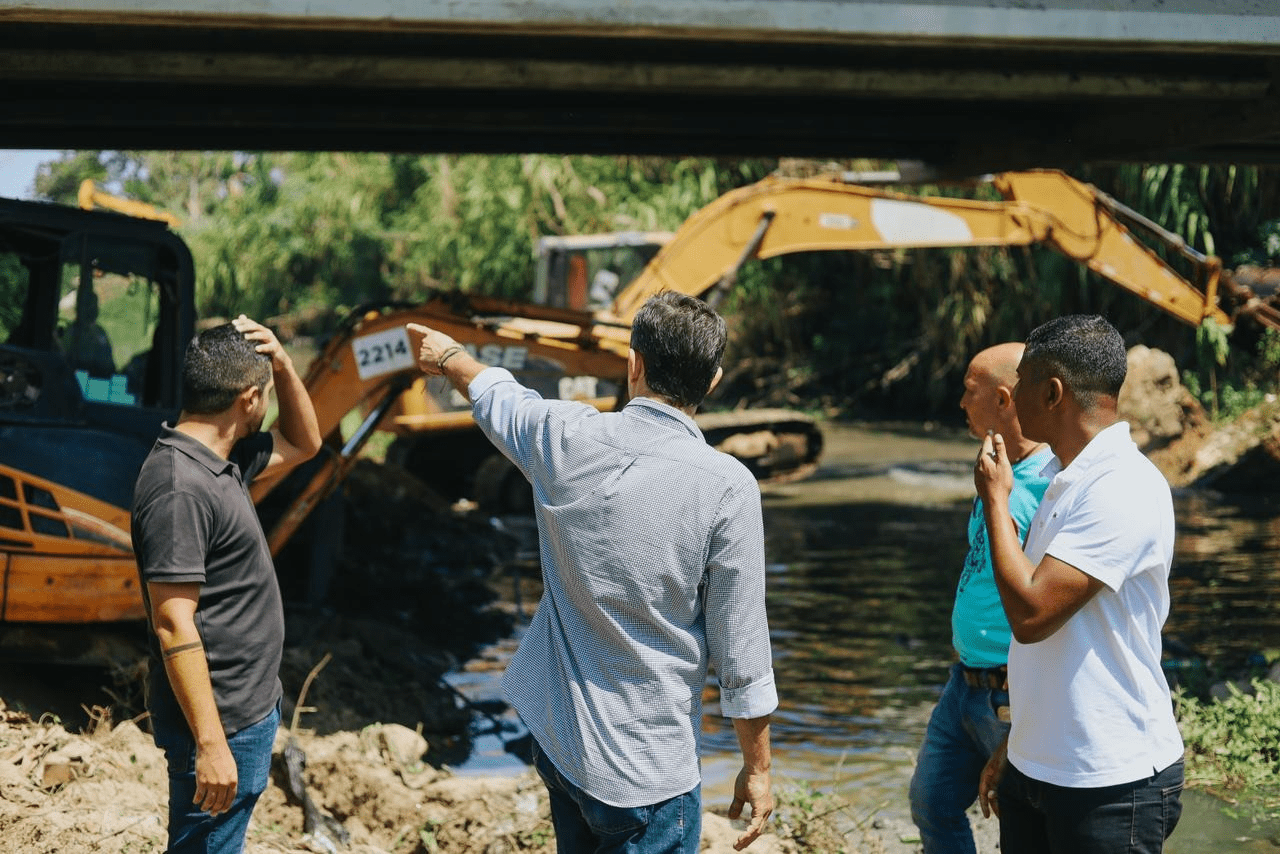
point(181, 648)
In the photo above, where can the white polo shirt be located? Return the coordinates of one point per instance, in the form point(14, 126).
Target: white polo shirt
point(1091, 706)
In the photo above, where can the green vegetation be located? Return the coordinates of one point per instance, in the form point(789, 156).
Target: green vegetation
point(811, 819)
point(1232, 212)
point(128, 311)
point(1250, 382)
point(1231, 747)
point(13, 292)
point(886, 333)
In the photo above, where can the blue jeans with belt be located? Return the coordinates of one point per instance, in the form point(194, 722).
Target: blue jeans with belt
point(964, 730)
point(192, 831)
point(585, 825)
point(1131, 818)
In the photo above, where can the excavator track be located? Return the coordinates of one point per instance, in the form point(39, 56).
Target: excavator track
point(776, 445)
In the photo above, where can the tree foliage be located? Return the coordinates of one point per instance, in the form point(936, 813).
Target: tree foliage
point(13, 292)
point(277, 232)
point(888, 332)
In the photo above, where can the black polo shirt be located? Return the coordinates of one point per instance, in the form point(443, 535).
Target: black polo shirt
point(193, 521)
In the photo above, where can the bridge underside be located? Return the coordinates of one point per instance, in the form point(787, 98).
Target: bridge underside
point(967, 109)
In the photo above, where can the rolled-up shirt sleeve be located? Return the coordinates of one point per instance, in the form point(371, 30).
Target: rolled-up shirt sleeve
point(737, 626)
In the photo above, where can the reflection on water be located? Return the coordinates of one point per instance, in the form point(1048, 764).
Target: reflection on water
point(1225, 611)
point(863, 561)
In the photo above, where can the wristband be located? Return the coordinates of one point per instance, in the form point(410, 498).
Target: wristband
point(448, 354)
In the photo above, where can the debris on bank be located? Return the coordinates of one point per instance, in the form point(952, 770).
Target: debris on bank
point(412, 596)
point(1172, 428)
point(105, 790)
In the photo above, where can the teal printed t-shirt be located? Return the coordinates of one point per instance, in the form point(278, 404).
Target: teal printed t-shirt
point(979, 629)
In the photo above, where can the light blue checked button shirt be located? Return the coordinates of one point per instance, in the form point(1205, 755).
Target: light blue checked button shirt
point(652, 548)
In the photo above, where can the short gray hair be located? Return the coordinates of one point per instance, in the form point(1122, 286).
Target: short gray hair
point(681, 339)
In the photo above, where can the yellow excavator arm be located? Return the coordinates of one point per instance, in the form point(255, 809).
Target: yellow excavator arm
point(90, 197)
point(773, 217)
point(778, 216)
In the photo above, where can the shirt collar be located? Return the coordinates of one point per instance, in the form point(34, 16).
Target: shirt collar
point(1037, 461)
point(193, 448)
point(659, 410)
point(1105, 443)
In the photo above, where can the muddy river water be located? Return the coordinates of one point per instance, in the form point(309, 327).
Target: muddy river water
point(863, 560)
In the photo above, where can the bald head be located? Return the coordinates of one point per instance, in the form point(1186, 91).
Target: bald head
point(988, 391)
point(999, 364)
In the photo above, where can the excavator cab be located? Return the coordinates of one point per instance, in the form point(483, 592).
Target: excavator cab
point(584, 272)
point(97, 311)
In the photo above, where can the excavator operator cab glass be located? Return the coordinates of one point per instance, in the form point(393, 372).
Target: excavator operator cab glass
point(85, 302)
point(14, 281)
point(585, 272)
point(106, 321)
point(83, 340)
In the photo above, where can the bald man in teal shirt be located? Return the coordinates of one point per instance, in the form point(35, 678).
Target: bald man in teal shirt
point(972, 715)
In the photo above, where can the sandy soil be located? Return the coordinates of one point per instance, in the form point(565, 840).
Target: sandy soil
point(105, 790)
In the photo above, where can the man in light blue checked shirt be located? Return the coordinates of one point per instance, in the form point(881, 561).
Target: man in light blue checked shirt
point(652, 548)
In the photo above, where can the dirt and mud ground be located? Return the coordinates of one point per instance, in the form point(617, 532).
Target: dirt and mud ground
point(371, 791)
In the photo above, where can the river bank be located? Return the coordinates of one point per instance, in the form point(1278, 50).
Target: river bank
point(367, 791)
point(384, 734)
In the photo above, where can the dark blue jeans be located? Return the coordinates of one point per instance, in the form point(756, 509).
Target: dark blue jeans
point(1131, 818)
point(964, 730)
point(585, 825)
point(192, 831)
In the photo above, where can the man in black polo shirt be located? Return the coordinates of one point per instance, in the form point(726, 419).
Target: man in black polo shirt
point(217, 626)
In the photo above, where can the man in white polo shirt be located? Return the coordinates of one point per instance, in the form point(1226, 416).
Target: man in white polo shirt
point(1094, 757)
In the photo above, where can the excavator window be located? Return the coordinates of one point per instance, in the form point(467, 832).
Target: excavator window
point(84, 342)
point(587, 278)
point(13, 292)
point(106, 321)
point(10, 515)
point(95, 311)
point(11, 518)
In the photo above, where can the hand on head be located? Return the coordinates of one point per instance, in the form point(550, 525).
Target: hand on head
point(268, 344)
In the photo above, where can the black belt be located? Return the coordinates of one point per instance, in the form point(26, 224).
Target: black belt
point(991, 678)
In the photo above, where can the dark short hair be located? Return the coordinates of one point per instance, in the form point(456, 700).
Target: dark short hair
point(1083, 350)
point(681, 339)
point(219, 365)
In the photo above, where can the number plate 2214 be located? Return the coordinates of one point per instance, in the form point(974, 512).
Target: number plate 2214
point(382, 353)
